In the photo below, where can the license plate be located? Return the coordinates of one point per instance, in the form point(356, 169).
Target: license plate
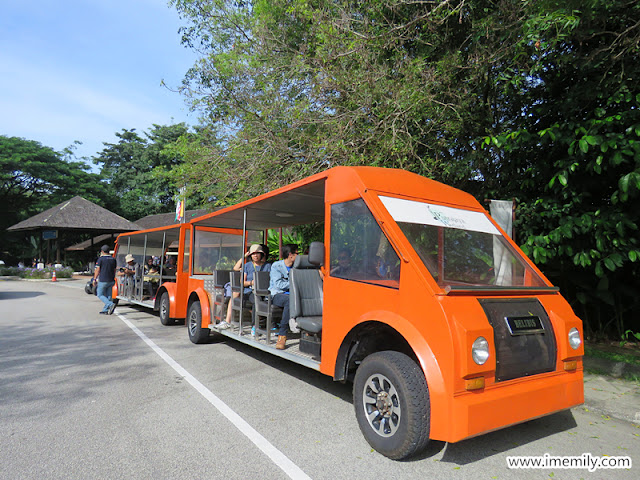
point(524, 325)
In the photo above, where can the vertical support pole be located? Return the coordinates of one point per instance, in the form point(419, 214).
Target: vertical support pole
point(440, 255)
point(140, 288)
point(513, 220)
point(244, 246)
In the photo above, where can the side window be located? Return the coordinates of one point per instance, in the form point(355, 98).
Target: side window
point(359, 249)
point(187, 251)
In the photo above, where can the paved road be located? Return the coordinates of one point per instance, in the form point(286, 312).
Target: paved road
point(86, 396)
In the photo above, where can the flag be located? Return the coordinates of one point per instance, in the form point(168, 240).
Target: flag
point(180, 205)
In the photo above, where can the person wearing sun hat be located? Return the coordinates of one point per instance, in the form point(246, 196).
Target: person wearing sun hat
point(255, 261)
point(129, 272)
point(130, 267)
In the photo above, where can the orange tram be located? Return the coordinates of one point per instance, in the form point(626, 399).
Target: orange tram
point(446, 329)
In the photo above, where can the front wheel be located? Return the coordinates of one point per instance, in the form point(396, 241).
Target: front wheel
point(197, 334)
point(391, 400)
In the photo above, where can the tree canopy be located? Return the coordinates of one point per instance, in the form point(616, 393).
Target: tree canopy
point(531, 99)
point(34, 178)
point(535, 100)
point(135, 169)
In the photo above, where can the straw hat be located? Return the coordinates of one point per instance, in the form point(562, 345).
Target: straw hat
point(129, 258)
point(256, 247)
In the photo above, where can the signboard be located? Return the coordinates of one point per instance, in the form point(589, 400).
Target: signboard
point(410, 211)
point(49, 234)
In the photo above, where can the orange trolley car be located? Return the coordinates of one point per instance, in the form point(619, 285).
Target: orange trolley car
point(164, 271)
point(446, 329)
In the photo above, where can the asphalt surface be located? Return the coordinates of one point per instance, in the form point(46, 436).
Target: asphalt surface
point(84, 395)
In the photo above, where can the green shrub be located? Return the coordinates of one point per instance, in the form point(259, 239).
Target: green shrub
point(34, 273)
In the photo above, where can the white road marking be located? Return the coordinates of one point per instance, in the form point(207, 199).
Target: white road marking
point(276, 456)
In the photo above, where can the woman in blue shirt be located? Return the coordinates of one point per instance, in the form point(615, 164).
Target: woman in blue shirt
point(255, 261)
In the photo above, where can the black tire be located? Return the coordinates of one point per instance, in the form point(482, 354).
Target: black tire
point(391, 400)
point(163, 310)
point(197, 334)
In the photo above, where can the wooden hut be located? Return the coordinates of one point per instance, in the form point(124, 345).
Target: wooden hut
point(73, 215)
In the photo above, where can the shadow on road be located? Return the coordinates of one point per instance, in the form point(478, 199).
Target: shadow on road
point(19, 295)
point(501, 441)
point(460, 453)
point(44, 367)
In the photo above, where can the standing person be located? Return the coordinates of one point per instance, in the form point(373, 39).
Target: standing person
point(279, 288)
point(105, 275)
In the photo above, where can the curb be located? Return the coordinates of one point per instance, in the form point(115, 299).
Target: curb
point(610, 395)
point(609, 367)
point(619, 399)
point(18, 279)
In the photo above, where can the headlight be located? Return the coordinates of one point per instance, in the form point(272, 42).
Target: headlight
point(480, 350)
point(574, 338)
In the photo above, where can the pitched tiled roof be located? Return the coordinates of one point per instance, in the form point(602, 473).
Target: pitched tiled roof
point(164, 219)
point(150, 221)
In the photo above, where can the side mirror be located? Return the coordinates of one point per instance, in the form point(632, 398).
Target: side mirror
point(316, 253)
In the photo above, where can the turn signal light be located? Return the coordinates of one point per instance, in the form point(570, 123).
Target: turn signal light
point(570, 366)
point(474, 383)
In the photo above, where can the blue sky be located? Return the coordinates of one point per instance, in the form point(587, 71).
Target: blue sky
point(85, 69)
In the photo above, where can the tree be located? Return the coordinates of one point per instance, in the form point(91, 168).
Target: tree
point(567, 143)
point(136, 170)
point(533, 99)
point(297, 88)
point(34, 178)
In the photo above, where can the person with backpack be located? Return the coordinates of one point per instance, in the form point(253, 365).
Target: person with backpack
point(105, 276)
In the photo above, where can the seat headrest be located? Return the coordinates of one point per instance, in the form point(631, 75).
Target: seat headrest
point(302, 261)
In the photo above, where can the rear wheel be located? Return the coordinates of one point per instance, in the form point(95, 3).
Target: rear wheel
point(164, 309)
point(391, 400)
point(197, 334)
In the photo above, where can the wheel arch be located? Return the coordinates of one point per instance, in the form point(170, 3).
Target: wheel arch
point(200, 294)
point(375, 335)
point(170, 288)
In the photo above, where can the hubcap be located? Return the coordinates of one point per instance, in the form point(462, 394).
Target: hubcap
point(381, 404)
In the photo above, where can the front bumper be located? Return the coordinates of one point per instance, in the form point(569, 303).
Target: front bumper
point(502, 405)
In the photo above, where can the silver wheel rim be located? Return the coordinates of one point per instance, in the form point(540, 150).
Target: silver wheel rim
point(381, 404)
point(193, 323)
point(164, 311)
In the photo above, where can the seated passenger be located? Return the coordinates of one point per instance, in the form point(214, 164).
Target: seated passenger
point(150, 279)
point(255, 261)
point(128, 273)
point(149, 265)
point(129, 270)
point(169, 268)
point(279, 288)
point(381, 268)
point(343, 268)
